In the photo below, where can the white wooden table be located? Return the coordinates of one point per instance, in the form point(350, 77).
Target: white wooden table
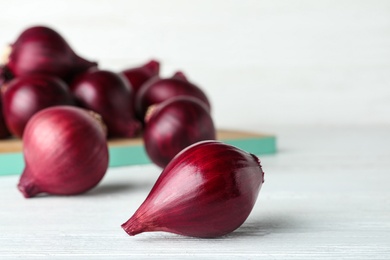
point(326, 196)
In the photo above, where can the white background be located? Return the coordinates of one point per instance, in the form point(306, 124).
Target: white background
point(262, 63)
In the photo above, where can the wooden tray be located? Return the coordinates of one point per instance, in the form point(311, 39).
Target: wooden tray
point(125, 152)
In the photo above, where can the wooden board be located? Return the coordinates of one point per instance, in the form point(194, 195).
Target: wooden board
point(131, 151)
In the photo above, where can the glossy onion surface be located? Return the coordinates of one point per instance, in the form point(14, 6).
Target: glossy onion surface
point(109, 95)
point(175, 124)
point(157, 90)
point(26, 95)
point(207, 190)
point(65, 152)
point(40, 49)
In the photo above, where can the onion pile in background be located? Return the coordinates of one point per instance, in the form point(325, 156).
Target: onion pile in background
point(64, 107)
point(27, 94)
point(41, 70)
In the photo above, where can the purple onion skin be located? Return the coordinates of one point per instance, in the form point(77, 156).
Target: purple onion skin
point(108, 94)
point(65, 152)
point(26, 95)
point(175, 124)
point(139, 75)
point(208, 190)
point(4, 132)
point(40, 49)
point(157, 90)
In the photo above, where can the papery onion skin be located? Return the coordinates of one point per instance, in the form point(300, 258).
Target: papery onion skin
point(137, 76)
point(65, 152)
point(40, 49)
point(26, 95)
point(4, 132)
point(157, 90)
point(108, 94)
point(175, 124)
point(208, 190)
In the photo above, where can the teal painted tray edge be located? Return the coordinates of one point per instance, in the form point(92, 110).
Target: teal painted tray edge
point(13, 163)
point(257, 146)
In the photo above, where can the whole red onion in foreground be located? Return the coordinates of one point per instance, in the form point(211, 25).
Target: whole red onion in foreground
point(4, 132)
point(175, 124)
point(26, 95)
point(207, 190)
point(108, 94)
point(157, 90)
point(40, 49)
point(139, 75)
point(65, 152)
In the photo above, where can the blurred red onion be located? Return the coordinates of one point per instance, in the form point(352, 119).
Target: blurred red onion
point(157, 90)
point(175, 124)
point(40, 49)
point(26, 95)
point(108, 94)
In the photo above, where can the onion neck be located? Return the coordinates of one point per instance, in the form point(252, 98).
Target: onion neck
point(27, 186)
point(180, 75)
point(149, 112)
point(98, 118)
point(133, 226)
point(153, 67)
point(83, 64)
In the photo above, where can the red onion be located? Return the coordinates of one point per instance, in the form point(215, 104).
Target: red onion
point(175, 124)
point(40, 49)
point(4, 132)
point(157, 90)
point(139, 75)
point(28, 94)
point(108, 94)
point(207, 190)
point(65, 152)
